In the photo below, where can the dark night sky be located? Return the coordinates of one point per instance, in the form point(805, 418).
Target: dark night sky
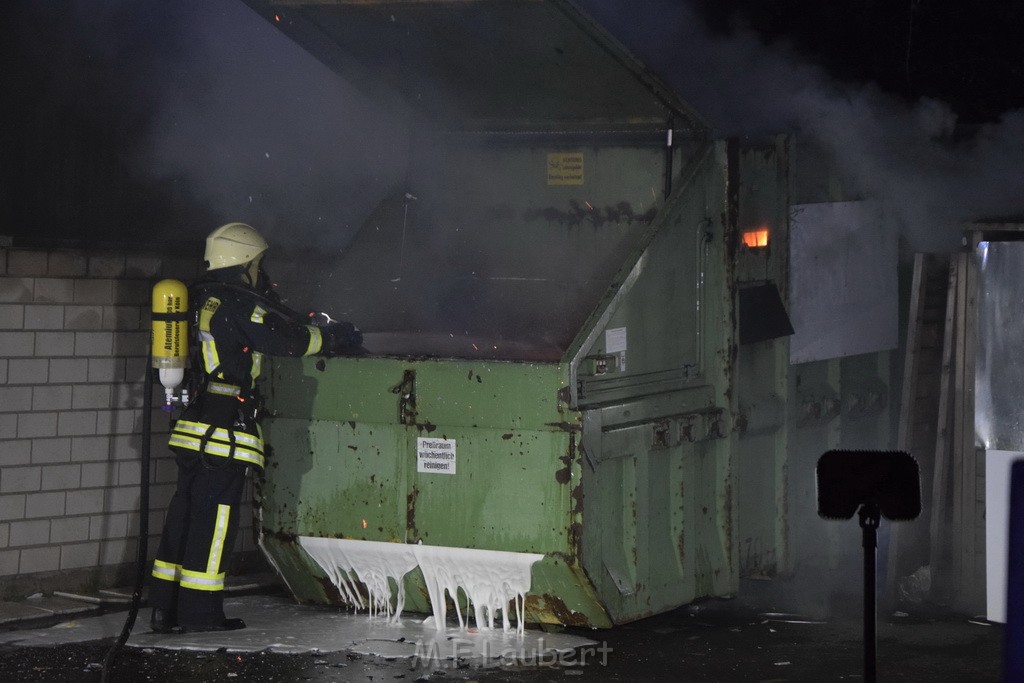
point(968, 53)
point(194, 112)
point(197, 111)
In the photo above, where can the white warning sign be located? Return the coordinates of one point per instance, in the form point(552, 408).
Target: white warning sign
point(615, 340)
point(435, 456)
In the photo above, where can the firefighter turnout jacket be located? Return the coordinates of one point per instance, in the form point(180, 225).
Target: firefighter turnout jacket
point(236, 327)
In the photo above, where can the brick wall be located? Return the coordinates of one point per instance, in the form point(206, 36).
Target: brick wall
point(74, 331)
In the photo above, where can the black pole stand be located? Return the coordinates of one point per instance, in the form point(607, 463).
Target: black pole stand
point(871, 483)
point(869, 519)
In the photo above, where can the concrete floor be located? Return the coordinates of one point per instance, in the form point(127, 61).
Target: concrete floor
point(276, 624)
point(715, 640)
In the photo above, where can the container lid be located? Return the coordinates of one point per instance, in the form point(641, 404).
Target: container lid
point(485, 64)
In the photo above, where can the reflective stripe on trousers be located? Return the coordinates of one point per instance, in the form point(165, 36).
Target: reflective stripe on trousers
point(166, 571)
point(212, 579)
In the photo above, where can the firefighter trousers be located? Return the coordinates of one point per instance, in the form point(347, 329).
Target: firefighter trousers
point(199, 533)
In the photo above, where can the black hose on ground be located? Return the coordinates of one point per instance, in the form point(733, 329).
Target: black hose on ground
point(141, 565)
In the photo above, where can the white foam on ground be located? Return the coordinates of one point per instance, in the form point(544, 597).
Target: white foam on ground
point(276, 624)
point(490, 579)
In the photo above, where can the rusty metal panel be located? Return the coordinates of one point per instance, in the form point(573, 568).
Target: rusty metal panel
point(654, 383)
point(347, 436)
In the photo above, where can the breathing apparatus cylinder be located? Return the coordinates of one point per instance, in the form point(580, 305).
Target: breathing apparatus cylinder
point(170, 336)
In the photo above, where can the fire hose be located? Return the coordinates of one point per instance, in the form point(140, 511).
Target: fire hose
point(140, 555)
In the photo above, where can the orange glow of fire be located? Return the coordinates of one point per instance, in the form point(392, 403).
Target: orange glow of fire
point(756, 238)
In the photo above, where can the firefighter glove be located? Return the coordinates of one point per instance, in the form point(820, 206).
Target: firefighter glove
point(342, 339)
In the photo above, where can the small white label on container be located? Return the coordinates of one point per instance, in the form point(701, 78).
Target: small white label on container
point(615, 340)
point(435, 456)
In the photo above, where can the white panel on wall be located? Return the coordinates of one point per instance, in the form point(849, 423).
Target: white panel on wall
point(843, 282)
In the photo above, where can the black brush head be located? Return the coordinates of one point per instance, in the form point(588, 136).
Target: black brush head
point(848, 479)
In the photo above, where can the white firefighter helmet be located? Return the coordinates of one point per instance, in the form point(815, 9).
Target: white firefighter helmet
point(234, 244)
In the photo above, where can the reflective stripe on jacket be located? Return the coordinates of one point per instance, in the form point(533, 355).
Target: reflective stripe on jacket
point(202, 437)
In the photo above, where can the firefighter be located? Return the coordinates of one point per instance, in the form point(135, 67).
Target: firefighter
point(218, 436)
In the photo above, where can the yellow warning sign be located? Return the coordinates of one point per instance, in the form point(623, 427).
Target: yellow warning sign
point(565, 168)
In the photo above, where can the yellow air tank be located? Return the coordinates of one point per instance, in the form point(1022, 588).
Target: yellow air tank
point(170, 335)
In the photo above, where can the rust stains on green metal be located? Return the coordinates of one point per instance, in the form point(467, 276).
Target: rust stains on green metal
point(577, 500)
point(406, 390)
point(576, 539)
point(564, 557)
point(551, 609)
point(577, 214)
point(741, 423)
point(727, 521)
point(576, 513)
point(410, 513)
point(282, 536)
point(331, 591)
point(682, 528)
point(686, 431)
point(564, 475)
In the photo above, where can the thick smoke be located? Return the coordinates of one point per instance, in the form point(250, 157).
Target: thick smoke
point(262, 132)
point(273, 134)
point(215, 107)
point(931, 180)
point(193, 112)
